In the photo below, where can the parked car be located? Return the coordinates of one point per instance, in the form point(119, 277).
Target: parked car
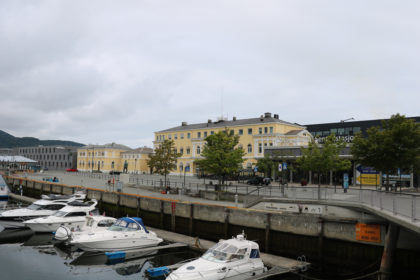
point(71, 170)
point(267, 181)
point(256, 181)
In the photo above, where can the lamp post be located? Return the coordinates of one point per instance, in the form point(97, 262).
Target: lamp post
point(93, 151)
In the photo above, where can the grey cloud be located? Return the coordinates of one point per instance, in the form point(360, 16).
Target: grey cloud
point(102, 71)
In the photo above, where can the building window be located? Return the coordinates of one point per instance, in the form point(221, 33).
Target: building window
point(175, 136)
point(112, 164)
point(249, 148)
point(205, 134)
point(260, 148)
point(249, 131)
point(241, 132)
point(198, 134)
point(271, 129)
point(232, 132)
point(265, 130)
point(198, 150)
point(182, 135)
point(188, 135)
point(181, 150)
point(188, 150)
point(211, 132)
point(169, 136)
point(260, 130)
point(271, 144)
point(181, 166)
point(356, 129)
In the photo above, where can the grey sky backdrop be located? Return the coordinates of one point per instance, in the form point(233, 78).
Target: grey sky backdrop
point(116, 71)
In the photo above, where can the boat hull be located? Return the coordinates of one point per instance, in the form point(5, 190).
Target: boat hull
point(115, 245)
point(52, 227)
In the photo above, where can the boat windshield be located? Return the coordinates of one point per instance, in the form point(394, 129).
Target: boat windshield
point(224, 252)
point(60, 214)
point(89, 222)
point(121, 225)
point(34, 206)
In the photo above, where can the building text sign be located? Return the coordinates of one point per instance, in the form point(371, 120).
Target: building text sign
point(368, 233)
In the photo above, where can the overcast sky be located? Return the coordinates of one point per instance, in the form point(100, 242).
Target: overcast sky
point(117, 71)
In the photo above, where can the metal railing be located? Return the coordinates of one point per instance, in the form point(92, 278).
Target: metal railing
point(394, 203)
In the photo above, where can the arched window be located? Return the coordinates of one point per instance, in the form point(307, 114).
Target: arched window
point(249, 148)
point(198, 150)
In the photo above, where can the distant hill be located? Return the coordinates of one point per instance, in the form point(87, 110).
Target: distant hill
point(10, 141)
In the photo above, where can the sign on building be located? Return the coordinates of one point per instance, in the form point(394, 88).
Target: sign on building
point(368, 233)
point(366, 175)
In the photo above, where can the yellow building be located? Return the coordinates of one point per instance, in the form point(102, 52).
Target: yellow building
point(255, 134)
point(136, 160)
point(112, 157)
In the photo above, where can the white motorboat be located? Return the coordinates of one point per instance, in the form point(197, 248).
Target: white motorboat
point(125, 234)
point(72, 216)
point(232, 259)
point(44, 207)
point(93, 224)
point(4, 189)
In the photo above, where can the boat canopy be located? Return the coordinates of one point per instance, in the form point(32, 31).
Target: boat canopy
point(128, 221)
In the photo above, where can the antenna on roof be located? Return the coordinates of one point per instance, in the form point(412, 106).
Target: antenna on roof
point(221, 103)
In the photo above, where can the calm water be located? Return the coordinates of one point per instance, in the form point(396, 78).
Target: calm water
point(25, 255)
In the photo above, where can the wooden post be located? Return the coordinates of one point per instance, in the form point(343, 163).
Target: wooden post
point(267, 232)
point(173, 216)
point(161, 213)
point(389, 252)
point(191, 225)
point(321, 242)
point(138, 206)
point(226, 224)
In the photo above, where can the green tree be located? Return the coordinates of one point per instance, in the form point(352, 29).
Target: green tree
point(265, 165)
point(220, 155)
point(395, 145)
point(164, 158)
point(323, 158)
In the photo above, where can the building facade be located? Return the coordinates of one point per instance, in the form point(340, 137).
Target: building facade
point(255, 135)
point(112, 157)
point(345, 130)
point(135, 161)
point(50, 157)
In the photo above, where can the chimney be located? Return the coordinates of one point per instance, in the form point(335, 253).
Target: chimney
point(267, 115)
point(276, 116)
point(184, 123)
point(234, 118)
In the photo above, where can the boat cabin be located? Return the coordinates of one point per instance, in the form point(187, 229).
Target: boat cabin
point(128, 224)
point(232, 250)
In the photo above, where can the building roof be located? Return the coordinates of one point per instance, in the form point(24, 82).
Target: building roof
point(141, 150)
point(16, 159)
point(107, 146)
point(294, 132)
point(225, 123)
